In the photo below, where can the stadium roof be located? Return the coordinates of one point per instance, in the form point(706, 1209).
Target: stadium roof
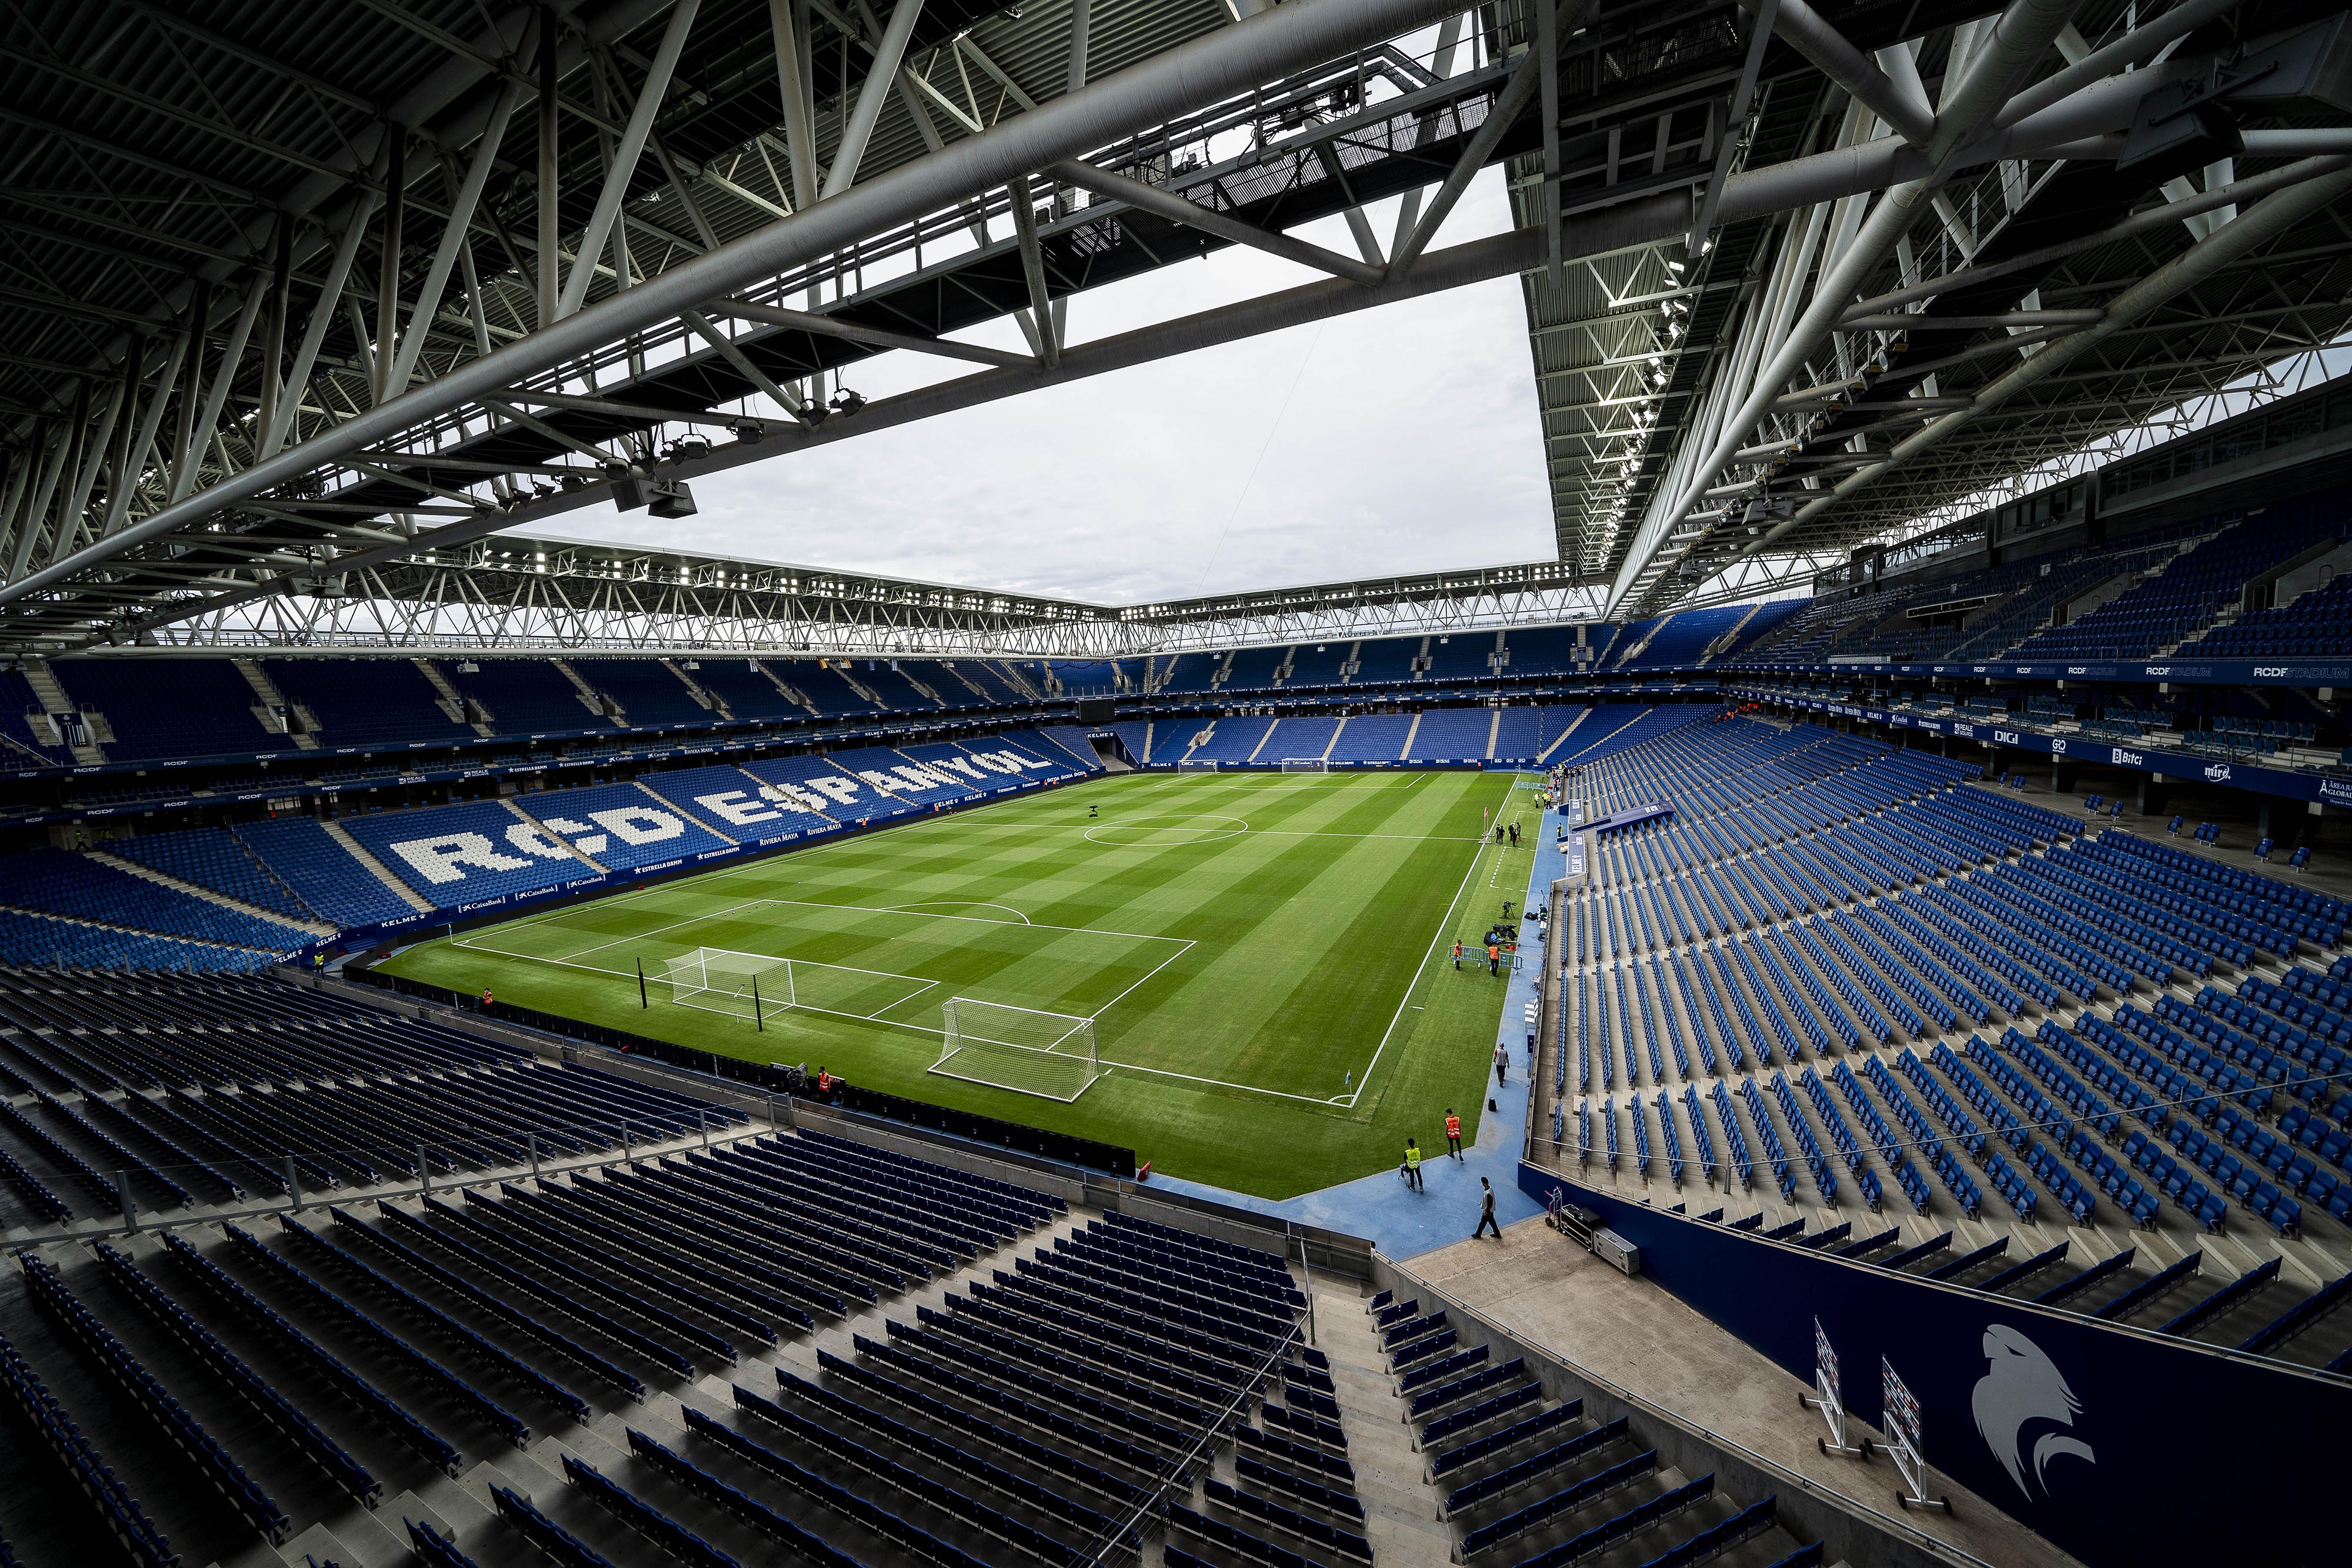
point(292, 298)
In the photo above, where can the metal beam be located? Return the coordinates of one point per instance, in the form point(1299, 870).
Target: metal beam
point(1177, 209)
point(1042, 325)
point(626, 153)
point(881, 74)
point(1811, 35)
point(2273, 216)
point(874, 337)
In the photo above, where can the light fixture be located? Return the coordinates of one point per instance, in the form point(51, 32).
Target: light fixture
point(846, 402)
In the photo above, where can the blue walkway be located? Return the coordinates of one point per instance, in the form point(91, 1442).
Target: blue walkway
point(1402, 1223)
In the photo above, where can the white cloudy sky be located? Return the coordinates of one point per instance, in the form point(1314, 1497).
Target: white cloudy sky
point(1396, 440)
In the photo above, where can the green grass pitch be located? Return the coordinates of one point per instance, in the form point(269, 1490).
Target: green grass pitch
point(1265, 955)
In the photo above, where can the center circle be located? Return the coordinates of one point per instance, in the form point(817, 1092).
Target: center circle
point(1167, 831)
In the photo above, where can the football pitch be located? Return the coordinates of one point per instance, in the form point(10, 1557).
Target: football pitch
point(1264, 956)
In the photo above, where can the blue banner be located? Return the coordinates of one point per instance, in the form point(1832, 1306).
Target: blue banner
point(2119, 1445)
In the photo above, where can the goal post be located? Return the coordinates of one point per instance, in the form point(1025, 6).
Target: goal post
point(1027, 1051)
point(1305, 764)
point(722, 981)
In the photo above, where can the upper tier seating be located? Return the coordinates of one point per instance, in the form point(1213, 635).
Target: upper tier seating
point(367, 703)
point(896, 690)
point(649, 691)
point(1386, 661)
point(2151, 618)
point(1686, 637)
point(170, 707)
point(748, 692)
point(2317, 624)
point(1537, 650)
point(1253, 669)
point(1455, 660)
point(525, 696)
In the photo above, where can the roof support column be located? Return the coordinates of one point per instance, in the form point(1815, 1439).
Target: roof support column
point(879, 77)
point(625, 156)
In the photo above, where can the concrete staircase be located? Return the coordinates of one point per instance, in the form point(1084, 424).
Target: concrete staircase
point(376, 868)
point(594, 701)
point(792, 694)
point(969, 685)
point(193, 890)
point(273, 710)
point(910, 676)
point(460, 707)
point(702, 694)
point(64, 713)
point(1399, 1505)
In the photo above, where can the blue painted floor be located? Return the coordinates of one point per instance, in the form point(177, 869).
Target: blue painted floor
point(1402, 1223)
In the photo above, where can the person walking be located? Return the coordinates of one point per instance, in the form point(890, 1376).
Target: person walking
point(1486, 1211)
point(1453, 1133)
point(1457, 953)
point(1515, 835)
point(1502, 1060)
point(1412, 1166)
point(1494, 959)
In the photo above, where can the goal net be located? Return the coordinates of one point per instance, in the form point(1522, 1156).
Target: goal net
point(1191, 766)
point(1020, 1049)
point(720, 981)
point(1305, 764)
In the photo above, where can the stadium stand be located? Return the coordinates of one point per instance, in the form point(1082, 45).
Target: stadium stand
point(171, 707)
point(1235, 739)
point(1303, 739)
point(2312, 625)
point(472, 851)
point(213, 858)
point(56, 882)
point(524, 697)
point(1923, 970)
point(646, 690)
point(748, 689)
point(1372, 737)
point(620, 826)
point(1137, 736)
point(2184, 596)
point(1452, 735)
point(321, 872)
point(366, 703)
